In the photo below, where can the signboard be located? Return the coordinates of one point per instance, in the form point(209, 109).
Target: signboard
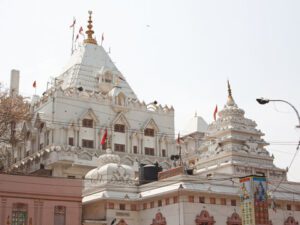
point(254, 201)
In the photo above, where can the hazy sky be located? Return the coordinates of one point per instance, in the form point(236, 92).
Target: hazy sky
point(179, 53)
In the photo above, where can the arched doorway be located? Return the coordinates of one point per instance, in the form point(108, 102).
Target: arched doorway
point(291, 221)
point(234, 219)
point(159, 219)
point(122, 222)
point(204, 218)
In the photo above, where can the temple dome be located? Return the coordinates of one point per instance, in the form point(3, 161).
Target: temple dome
point(109, 170)
point(108, 158)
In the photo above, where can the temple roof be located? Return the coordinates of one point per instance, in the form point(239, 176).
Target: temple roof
point(91, 69)
point(88, 67)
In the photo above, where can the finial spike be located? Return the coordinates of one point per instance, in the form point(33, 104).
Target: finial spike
point(229, 89)
point(90, 31)
point(230, 101)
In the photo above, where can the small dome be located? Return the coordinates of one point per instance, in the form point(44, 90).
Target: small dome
point(110, 171)
point(108, 158)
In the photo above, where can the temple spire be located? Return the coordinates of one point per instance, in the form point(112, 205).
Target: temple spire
point(90, 31)
point(230, 101)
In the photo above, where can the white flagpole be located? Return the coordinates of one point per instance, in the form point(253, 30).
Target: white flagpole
point(73, 26)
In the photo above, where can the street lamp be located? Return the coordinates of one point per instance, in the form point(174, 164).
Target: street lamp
point(264, 101)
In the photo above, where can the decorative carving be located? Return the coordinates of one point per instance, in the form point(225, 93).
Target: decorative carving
point(291, 221)
point(159, 219)
point(234, 219)
point(85, 155)
point(60, 209)
point(120, 176)
point(204, 218)
point(122, 222)
point(108, 158)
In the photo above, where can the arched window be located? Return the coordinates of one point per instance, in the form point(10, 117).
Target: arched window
point(234, 219)
point(107, 78)
point(204, 218)
point(291, 221)
point(59, 215)
point(121, 99)
point(89, 123)
point(159, 219)
point(19, 214)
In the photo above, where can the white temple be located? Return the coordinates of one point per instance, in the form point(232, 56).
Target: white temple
point(69, 120)
point(92, 95)
point(231, 148)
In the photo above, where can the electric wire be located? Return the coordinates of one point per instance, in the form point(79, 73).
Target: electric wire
point(96, 127)
point(294, 156)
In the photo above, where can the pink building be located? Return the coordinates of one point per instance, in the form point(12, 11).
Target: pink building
point(28, 200)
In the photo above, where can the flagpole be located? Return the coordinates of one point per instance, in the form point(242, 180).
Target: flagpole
point(180, 162)
point(178, 142)
point(73, 31)
point(72, 49)
point(102, 39)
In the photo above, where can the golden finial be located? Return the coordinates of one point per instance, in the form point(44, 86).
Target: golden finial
point(230, 100)
point(90, 32)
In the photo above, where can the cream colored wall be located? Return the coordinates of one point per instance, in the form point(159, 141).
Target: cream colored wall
point(94, 211)
point(132, 219)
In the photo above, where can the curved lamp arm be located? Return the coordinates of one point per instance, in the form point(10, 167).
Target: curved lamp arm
point(263, 101)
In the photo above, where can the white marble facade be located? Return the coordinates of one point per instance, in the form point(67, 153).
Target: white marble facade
point(92, 95)
point(70, 118)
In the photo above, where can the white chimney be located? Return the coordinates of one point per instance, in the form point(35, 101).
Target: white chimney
point(14, 82)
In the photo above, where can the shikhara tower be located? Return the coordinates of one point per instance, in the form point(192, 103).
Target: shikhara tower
point(89, 96)
point(233, 146)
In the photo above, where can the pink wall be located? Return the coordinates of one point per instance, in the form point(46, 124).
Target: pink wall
point(41, 195)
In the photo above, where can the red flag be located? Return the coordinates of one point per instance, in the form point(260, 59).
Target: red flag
point(215, 113)
point(73, 24)
point(81, 30)
point(103, 140)
point(34, 84)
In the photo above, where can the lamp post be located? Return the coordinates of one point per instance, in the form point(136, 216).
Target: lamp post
point(264, 101)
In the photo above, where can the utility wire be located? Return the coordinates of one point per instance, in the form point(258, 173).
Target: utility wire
point(295, 154)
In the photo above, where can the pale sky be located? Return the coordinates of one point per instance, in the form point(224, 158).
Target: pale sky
point(178, 52)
